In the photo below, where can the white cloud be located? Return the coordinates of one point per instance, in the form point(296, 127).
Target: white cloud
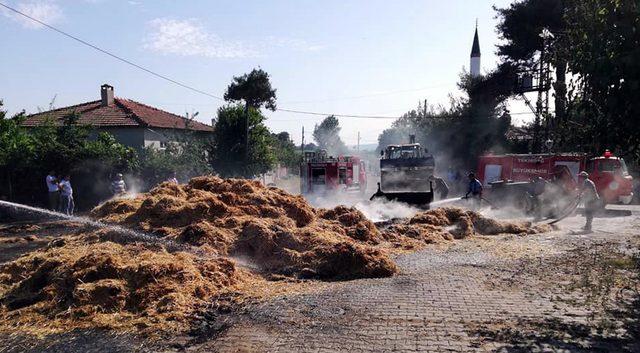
point(190, 38)
point(46, 11)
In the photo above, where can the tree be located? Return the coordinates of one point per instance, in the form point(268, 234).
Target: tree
point(521, 25)
point(470, 126)
point(16, 149)
point(28, 155)
point(286, 151)
point(254, 89)
point(227, 150)
point(604, 36)
point(187, 157)
point(327, 135)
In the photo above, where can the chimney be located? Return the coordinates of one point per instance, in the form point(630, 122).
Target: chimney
point(106, 92)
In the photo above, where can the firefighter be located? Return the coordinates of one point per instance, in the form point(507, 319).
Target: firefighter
point(538, 187)
point(589, 195)
point(441, 186)
point(475, 190)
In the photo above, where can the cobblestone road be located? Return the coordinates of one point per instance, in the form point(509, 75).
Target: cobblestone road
point(440, 303)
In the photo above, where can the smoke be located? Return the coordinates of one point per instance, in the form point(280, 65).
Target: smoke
point(376, 210)
point(382, 210)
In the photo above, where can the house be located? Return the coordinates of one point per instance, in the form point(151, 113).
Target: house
point(132, 123)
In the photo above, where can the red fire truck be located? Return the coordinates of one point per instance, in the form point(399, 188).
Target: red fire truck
point(512, 172)
point(320, 173)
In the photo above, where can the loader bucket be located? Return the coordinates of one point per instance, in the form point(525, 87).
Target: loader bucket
point(414, 198)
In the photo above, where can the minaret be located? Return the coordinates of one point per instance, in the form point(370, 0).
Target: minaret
point(475, 55)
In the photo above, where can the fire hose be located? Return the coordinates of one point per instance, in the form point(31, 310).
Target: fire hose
point(568, 213)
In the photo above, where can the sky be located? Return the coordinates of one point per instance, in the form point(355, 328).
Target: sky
point(359, 57)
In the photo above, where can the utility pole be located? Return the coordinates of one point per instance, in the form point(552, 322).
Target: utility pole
point(539, 105)
point(358, 147)
point(302, 144)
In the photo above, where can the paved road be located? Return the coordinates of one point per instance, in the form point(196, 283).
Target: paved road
point(459, 300)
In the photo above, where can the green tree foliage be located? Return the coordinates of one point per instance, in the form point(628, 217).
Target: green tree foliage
point(187, 157)
point(521, 25)
point(286, 152)
point(254, 89)
point(327, 136)
point(597, 42)
point(26, 156)
point(605, 52)
point(227, 150)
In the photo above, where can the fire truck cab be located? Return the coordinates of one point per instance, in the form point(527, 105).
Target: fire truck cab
point(512, 173)
point(320, 173)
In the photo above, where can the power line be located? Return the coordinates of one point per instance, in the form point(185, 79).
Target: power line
point(388, 93)
point(112, 55)
point(168, 79)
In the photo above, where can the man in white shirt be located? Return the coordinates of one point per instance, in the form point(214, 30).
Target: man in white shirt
point(118, 187)
point(54, 190)
point(172, 178)
point(66, 196)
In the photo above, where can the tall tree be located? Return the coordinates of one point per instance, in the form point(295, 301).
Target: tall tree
point(327, 135)
point(521, 25)
point(254, 89)
point(227, 150)
point(605, 41)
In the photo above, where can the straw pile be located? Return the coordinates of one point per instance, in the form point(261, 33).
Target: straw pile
point(100, 280)
point(446, 224)
point(279, 232)
point(105, 284)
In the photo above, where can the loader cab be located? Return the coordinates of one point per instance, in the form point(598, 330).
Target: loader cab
point(406, 168)
point(413, 150)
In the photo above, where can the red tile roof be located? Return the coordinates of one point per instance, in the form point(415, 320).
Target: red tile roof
point(123, 112)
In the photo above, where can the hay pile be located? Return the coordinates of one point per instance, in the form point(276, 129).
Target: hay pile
point(276, 231)
point(448, 223)
point(105, 284)
point(96, 279)
point(100, 284)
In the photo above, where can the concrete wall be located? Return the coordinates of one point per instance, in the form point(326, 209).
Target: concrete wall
point(128, 136)
point(141, 137)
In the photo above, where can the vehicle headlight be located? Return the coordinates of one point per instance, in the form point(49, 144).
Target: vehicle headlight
point(614, 185)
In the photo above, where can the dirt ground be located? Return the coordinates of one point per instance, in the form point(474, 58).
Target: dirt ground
point(562, 291)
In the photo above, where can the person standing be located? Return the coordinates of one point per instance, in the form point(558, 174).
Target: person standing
point(441, 186)
point(54, 190)
point(118, 187)
point(474, 190)
point(172, 178)
point(66, 196)
point(589, 195)
point(538, 188)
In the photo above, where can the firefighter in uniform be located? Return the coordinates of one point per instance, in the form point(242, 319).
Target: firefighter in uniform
point(475, 190)
point(589, 195)
point(441, 186)
point(538, 187)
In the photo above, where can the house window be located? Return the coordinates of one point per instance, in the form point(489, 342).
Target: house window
point(163, 144)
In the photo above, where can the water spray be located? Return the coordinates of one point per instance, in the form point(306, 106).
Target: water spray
point(124, 233)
